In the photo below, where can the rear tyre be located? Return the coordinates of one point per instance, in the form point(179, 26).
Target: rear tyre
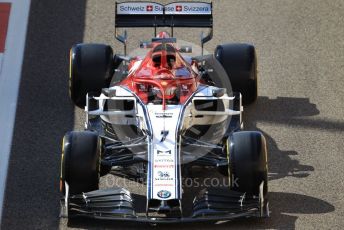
point(91, 69)
point(80, 162)
point(240, 64)
point(248, 166)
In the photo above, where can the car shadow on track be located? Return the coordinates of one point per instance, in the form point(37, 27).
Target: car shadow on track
point(44, 114)
point(286, 111)
point(285, 208)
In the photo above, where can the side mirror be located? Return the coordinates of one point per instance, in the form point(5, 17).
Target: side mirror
point(185, 49)
point(145, 45)
point(219, 92)
point(109, 92)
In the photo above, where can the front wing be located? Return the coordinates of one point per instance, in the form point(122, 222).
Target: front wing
point(209, 205)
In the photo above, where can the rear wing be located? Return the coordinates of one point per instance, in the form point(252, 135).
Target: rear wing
point(152, 14)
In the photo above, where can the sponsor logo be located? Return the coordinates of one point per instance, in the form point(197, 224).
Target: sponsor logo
point(188, 8)
point(156, 8)
point(163, 115)
point(164, 185)
point(163, 175)
point(163, 179)
point(149, 8)
point(132, 8)
point(196, 9)
point(164, 153)
point(163, 160)
point(164, 194)
point(164, 166)
point(139, 8)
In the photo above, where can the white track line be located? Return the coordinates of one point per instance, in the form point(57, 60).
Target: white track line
point(9, 82)
point(1, 55)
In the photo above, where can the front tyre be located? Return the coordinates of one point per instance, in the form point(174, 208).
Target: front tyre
point(248, 165)
point(80, 162)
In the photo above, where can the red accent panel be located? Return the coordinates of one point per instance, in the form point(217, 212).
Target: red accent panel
point(5, 9)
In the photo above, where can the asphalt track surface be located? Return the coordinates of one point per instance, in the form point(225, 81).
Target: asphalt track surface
point(300, 109)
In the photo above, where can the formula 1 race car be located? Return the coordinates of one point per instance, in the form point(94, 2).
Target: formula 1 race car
point(159, 117)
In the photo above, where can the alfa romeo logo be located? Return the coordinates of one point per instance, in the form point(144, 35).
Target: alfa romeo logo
point(164, 194)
